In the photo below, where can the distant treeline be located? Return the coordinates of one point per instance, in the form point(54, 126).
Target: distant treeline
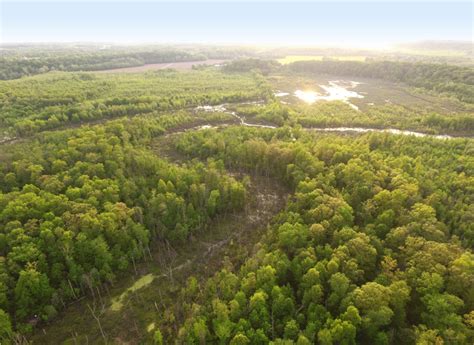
point(246, 65)
point(451, 80)
point(16, 66)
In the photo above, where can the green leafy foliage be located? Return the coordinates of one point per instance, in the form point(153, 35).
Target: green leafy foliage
point(364, 252)
point(42, 60)
point(374, 246)
point(86, 205)
point(29, 105)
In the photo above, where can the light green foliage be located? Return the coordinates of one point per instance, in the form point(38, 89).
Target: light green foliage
point(111, 197)
point(6, 331)
point(49, 101)
point(32, 292)
point(374, 245)
point(157, 338)
point(354, 273)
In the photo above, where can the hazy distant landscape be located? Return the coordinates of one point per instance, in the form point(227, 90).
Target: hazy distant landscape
point(236, 173)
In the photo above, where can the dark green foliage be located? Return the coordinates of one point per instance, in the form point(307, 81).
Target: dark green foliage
point(13, 67)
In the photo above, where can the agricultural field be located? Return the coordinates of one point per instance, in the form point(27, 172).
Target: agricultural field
point(293, 58)
point(179, 66)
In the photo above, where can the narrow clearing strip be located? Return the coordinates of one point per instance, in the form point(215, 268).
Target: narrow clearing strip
point(153, 300)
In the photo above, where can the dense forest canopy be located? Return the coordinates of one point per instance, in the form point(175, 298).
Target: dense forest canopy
point(374, 247)
point(109, 177)
point(48, 101)
point(86, 204)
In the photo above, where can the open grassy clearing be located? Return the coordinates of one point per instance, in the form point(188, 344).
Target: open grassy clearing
point(117, 303)
point(378, 104)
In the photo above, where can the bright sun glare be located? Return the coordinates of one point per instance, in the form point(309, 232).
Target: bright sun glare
point(307, 96)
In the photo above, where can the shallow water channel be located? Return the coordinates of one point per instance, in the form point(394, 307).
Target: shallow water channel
point(222, 108)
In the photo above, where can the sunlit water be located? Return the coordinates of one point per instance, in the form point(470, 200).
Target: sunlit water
point(222, 109)
point(336, 90)
point(386, 130)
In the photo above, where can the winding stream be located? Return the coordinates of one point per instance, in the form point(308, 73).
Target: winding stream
point(386, 130)
point(222, 109)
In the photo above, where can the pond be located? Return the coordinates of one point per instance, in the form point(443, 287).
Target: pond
point(335, 90)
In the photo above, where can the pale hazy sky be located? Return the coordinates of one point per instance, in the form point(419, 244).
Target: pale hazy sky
point(370, 23)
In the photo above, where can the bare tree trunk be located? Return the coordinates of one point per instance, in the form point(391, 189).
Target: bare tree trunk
point(134, 267)
point(72, 289)
point(100, 296)
point(149, 252)
point(98, 322)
